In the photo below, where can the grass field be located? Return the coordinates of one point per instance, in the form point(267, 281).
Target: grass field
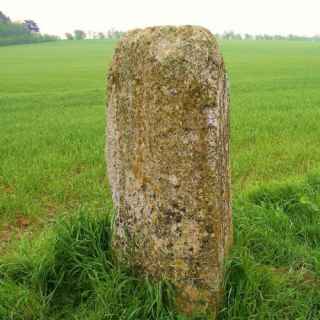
point(54, 201)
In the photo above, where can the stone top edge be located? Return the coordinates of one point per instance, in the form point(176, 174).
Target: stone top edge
point(170, 27)
point(192, 30)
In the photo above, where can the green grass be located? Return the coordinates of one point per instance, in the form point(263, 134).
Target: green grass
point(53, 187)
point(52, 127)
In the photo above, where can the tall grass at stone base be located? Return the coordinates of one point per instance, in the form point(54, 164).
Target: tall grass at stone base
point(70, 272)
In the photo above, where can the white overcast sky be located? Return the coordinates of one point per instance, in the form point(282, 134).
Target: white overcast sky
point(252, 16)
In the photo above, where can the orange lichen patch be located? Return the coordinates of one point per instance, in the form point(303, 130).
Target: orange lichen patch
point(191, 295)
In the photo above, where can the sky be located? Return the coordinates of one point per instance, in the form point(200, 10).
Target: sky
point(243, 16)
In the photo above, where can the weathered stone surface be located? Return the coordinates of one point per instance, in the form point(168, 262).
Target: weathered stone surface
point(168, 159)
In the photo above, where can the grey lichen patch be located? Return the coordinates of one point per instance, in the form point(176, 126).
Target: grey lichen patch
point(168, 159)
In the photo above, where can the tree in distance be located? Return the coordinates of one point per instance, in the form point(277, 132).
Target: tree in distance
point(68, 36)
point(79, 34)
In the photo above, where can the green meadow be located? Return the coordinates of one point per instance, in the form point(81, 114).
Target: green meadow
point(55, 205)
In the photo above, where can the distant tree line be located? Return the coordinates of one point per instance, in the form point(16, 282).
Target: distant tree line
point(81, 35)
point(231, 35)
point(20, 32)
point(227, 35)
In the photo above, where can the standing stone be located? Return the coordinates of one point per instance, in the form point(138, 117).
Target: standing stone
point(168, 160)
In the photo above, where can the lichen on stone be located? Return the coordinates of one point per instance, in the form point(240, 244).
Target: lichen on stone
point(168, 159)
